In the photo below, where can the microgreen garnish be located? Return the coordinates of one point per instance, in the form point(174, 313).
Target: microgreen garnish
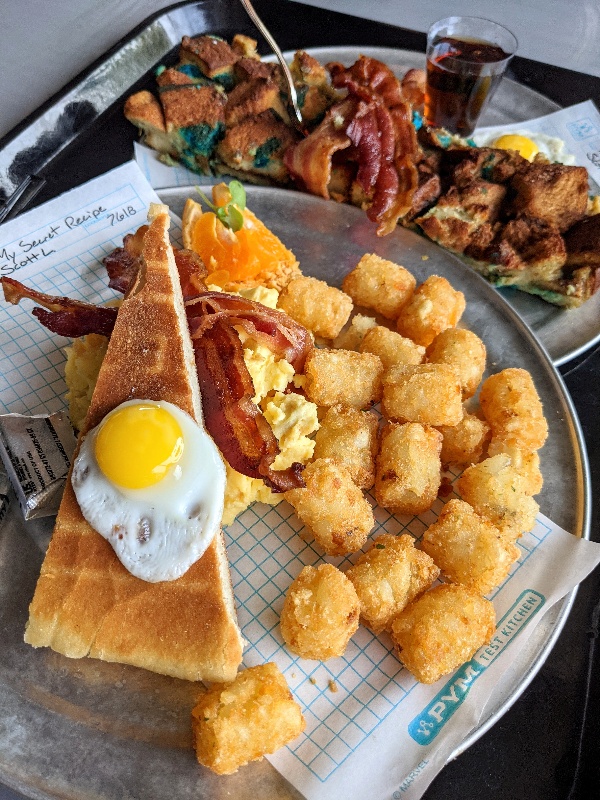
point(231, 214)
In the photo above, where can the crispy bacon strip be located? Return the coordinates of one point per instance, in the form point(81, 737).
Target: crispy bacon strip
point(397, 179)
point(64, 316)
point(309, 161)
point(276, 330)
point(192, 272)
point(413, 87)
point(232, 418)
point(123, 266)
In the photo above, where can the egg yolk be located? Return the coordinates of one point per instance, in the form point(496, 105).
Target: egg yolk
point(240, 255)
point(522, 144)
point(137, 445)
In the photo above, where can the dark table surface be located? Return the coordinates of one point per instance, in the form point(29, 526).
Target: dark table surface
point(546, 746)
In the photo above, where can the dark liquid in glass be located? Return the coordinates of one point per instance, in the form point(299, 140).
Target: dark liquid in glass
point(460, 79)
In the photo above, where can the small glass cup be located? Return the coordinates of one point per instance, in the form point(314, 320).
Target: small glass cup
point(466, 58)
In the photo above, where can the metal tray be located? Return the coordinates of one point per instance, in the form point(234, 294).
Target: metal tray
point(58, 736)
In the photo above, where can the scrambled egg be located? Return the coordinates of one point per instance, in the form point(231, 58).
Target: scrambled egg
point(291, 416)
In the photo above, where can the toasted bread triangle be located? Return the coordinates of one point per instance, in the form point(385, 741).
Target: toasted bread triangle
point(86, 603)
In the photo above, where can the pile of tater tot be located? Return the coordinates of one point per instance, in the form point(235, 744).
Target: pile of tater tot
point(393, 343)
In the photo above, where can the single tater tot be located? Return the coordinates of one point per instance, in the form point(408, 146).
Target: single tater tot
point(468, 549)
point(343, 377)
point(528, 467)
point(434, 306)
point(464, 443)
point(425, 393)
point(379, 284)
point(349, 437)
point(441, 630)
point(332, 507)
point(463, 351)
point(321, 308)
point(238, 722)
point(497, 492)
point(407, 476)
point(352, 336)
point(510, 403)
point(387, 577)
point(391, 348)
point(320, 613)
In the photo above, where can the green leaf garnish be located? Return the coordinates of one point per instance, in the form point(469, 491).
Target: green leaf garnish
point(238, 194)
point(231, 214)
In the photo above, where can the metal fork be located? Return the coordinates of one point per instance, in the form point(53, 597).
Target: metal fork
point(292, 95)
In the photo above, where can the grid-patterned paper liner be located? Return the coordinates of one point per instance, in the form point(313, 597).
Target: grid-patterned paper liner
point(358, 708)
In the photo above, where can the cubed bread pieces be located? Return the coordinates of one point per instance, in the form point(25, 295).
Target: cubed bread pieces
point(464, 443)
point(349, 437)
point(320, 613)
point(462, 350)
point(498, 492)
point(407, 476)
point(512, 407)
point(468, 549)
point(441, 630)
point(343, 377)
point(321, 308)
point(332, 507)
point(391, 348)
point(238, 722)
point(434, 306)
point(388, 577)
point(425, 393)
point(379, 284)
point(351, 337)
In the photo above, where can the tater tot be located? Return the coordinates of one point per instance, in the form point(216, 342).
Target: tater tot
point(349, 437)
point(321, 308)
point(352, 336)
point(238, 722)
point(387, 577)
point(510, 403)
point(332, 507)
point(464, 443)
point(320, 613)
point(343, 377)
point(497, 492)
point(391, 348)
point(469, 550)
point(379, 284)
point(441, 630)
point(407, 475)
point(425, 393)
point(434, 306)
point(528, 467)
point(463, 351)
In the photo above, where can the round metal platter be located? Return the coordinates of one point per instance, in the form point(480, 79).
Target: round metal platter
point(89, 729)
point(564, 333)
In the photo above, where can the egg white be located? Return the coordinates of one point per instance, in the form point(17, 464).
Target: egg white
point(157, 532)
point(552, 147)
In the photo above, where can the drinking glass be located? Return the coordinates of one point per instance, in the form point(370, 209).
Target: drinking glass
point(466, 58)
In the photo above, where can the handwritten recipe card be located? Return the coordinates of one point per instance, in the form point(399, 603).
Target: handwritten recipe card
point(371, 731)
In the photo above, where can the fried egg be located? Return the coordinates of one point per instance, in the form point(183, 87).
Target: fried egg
point(151, 481)
point(527, 143)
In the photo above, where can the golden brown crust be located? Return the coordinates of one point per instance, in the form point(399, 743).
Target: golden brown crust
point(86, 602)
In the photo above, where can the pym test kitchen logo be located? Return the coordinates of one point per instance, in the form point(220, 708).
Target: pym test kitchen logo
point(426, 725)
